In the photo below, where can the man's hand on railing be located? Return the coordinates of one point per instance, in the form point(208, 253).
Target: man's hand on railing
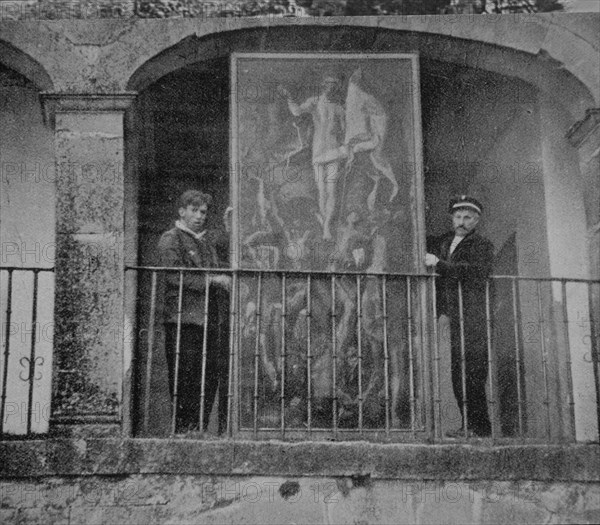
point(221, 280)
point(431, 260)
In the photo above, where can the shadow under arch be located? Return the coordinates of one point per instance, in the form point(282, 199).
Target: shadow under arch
point(22, 63)
point(540, 70)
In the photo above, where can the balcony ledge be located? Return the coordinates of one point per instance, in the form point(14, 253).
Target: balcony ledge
point(28, 458)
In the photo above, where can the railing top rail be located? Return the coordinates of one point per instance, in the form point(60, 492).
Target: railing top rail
point(27, 268)
point(275, 272)
point(329, 273)
point(545, 279)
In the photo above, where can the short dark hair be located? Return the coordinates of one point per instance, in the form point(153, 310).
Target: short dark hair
point(194, 197)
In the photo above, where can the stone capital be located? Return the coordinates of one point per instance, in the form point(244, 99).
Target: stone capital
point(53, 103)
point(583, 128)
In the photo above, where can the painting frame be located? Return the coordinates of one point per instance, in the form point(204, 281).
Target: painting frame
point(264, 78)
point(417, 165)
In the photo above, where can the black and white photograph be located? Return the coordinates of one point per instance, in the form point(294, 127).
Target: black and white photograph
point(299, 261)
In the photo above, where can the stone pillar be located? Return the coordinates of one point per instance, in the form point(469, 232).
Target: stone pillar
point(585, 136)
point(89, 304)
point(565, 196)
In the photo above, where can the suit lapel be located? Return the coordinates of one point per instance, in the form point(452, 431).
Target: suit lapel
point(445, 247)
point(462, 245)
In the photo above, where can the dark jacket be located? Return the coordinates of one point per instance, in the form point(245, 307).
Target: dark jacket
point(179, 249)
point(470, 263)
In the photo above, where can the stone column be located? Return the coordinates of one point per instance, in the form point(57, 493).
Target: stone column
point(89, 304)
point(584, 135)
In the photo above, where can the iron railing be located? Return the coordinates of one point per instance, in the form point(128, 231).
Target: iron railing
point(322, 355)
point(27, 300)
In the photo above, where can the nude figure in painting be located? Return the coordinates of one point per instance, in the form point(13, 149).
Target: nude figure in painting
point(328, 129)
point(365, 131)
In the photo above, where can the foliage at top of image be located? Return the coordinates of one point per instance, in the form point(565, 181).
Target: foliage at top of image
point(282, 8)
point(69, 9)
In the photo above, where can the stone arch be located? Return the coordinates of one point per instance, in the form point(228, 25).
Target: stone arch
point(25, 65)
point(27, 204)
point(524, 57)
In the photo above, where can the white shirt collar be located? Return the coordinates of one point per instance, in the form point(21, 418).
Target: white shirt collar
point(455, 242)
point(183, 227)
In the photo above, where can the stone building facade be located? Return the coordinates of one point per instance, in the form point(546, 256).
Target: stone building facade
point(96, 142)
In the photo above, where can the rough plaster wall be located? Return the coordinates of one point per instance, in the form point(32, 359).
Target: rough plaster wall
point(568, 247)
point(484, 139)
point(244, 500)
point(27, 186)
point(564, 196)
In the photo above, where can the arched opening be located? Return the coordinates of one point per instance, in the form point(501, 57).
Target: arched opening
point(484, 133)
point(26, 66)
point(27, 230)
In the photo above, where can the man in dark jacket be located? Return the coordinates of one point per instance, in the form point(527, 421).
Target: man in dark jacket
point(463, 256)
point(188, 246)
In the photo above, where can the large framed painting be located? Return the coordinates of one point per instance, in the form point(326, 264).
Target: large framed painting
point(326, 169)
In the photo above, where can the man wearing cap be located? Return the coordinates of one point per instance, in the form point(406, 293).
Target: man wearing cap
point(189, 245)
point(463, 256)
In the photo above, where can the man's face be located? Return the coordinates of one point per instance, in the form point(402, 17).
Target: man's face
point(464, 221)
point(194, 216)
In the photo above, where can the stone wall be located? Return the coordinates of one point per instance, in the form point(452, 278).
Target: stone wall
point(153, 499)
point(66, 9)
point(185, 481)
point(106, 9)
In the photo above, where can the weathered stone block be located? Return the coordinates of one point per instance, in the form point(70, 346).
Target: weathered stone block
point(89, 327)
point(90, 177)
point(255, 499)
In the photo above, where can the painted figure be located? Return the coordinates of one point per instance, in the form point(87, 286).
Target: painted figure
point(365, 131)
point(328, 130)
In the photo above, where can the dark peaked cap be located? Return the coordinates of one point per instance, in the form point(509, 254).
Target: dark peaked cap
point(464, 201)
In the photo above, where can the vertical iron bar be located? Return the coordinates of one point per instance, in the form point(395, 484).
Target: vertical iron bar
point(570, 396)
point(491, 361)
point(436, 364)
point(177, 355)
point(544, 356)
point(334, 358)
point(422, 369)
point(233, 329)
point(258, 316)
point(359, 349)
point(32, 356)
point(309, 351)
point(150, 351)
point(283, 350)
point(411, 364)
point(237, 383)
point(516, 319)
point(463, 360)
point(594, 348)
point(204, 350)
point(386, 355)
point(6, 348)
